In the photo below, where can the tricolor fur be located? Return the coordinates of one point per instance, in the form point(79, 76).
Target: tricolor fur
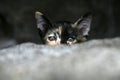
point(63, 32)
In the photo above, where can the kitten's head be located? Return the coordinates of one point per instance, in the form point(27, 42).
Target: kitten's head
point(49, 34)
point(79, 30)
point(63, 32)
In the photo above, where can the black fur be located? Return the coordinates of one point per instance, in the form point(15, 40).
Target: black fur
point(70, 31)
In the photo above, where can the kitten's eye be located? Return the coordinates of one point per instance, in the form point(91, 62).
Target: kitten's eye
point(71, 39)
point(52, 38)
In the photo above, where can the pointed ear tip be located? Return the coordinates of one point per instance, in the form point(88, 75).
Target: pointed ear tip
point(37, 13)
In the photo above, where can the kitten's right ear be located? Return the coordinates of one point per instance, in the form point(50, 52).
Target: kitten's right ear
point(42, 22)
point(83, 24)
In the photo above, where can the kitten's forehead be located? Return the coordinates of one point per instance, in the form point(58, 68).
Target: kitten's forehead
point(63, 24)
point(51, 32)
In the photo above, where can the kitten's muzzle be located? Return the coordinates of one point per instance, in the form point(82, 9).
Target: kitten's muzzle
point(52, 43)
point(71, 41)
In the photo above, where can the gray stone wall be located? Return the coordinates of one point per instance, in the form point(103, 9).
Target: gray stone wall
point(92, 60)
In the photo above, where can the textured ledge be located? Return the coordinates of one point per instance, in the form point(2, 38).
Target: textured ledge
point(92, 60)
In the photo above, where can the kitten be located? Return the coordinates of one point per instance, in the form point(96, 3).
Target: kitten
point(78, 31)
point(49, 35)
point(64, 32)
point(75, 32)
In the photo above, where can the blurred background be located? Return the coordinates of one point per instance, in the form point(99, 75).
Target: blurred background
point(18, 24)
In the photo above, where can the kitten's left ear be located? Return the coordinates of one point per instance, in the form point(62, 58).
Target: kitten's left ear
point(83, 24)
point(43, 24)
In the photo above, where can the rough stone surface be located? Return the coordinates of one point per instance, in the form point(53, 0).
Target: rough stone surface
point(92, 60)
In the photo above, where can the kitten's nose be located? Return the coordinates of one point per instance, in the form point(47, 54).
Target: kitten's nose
point(69, 43)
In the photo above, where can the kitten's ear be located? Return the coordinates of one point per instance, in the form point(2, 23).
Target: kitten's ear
point(83, 24)
point(42, 22)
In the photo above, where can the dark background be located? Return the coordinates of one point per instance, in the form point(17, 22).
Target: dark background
point(17, 21)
